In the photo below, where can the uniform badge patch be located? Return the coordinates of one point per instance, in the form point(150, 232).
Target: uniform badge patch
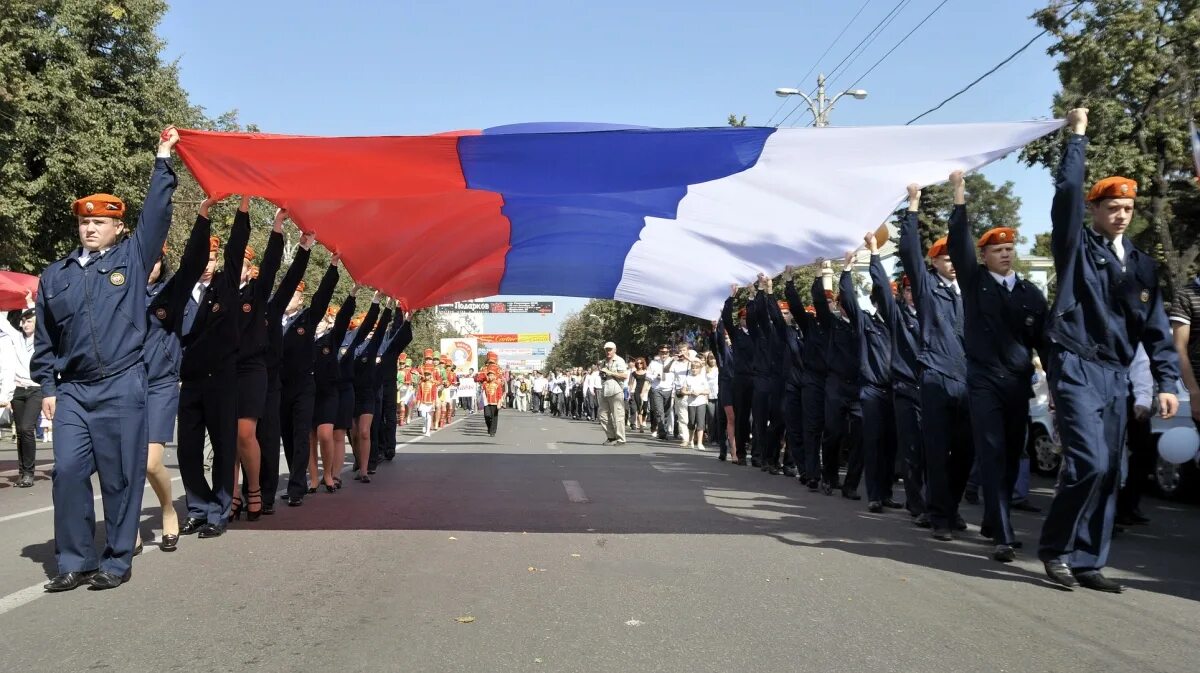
point(1145, 296)
point(117, 278)
point(160, 313)
point(325, 350)
point(1028, 321)
point(216, 307)
point(245, 308)
point(300, 331)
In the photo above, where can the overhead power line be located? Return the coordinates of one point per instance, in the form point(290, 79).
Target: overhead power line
point(999, 65)
point(822, 56)
point(897, 45)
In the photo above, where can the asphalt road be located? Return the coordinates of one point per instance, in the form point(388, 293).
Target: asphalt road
point(560, 554)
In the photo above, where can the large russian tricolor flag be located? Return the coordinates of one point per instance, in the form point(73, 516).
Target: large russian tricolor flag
point(662, 217)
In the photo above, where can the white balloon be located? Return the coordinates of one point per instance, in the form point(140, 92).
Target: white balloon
point(1178, 445)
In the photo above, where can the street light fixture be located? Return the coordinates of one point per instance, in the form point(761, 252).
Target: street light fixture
point(822, 106)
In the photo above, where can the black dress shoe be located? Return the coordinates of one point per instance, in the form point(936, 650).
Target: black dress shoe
point(137, 551)
point(211, 530)
point(789, 472)
point(1004, 553)
point(942, 534)
point(295, 500)
point(827, 488)
point(191, 525)
point(959, 522)
point(891, 504)
point(1095, 580)
point(1060, 574)
point(851, 495)
point(268, 509)
point(875, 507)
point(775, 470)
point(68, 581)
point(1026, 506)
point(814, 485)
point(168, 543)
point(754, 462)
point(922, 521)
point(106, 580)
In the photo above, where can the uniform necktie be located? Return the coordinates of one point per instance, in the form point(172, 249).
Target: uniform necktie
point(92, 256)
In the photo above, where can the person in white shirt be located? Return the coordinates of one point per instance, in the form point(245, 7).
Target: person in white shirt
point(678, 369)
point(18, 391)
point(696, 392)
point(540, 383)
point(662, 392)
point(591, 393)
point(466, 391)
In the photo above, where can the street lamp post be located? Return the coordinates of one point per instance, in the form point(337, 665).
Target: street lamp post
point(822, 106)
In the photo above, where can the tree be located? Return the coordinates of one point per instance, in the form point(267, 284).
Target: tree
point(1135, 65)
point(734, 121)
point(83, 95)
point(637, 331)
point(1041, 244)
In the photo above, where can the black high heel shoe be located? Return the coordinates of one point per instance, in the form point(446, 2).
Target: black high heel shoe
point(253, 497)
point(330, 489)
point(235, 510)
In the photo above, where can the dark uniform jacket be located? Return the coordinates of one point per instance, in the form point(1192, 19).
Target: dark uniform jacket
point(939, 308)
point(211, 335)
point(743, 343)
point(326, 370)
point(297, 354)
point(841, 349)
point(252, 314)
point(872, 332)
point(167, 303)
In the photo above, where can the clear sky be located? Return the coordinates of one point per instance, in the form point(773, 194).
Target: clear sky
point(412, 67)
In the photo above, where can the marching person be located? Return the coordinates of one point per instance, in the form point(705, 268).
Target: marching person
point(270, 428)
point(297, 362)
point(493, 393)
point(1003, 321)
point(88, 360)
point(427, 396)
point(207, 375)
point(843, 409)
point(769, 373)
point(167, 296)
point(812, 379)
point(906, 404)
point(326, 437)
point(396, 340)
point(876, 341)
point(723, 352)
point(343, 427)
point(366, 394)
point(252, 379)
point(1107, 303)
point(943, 384)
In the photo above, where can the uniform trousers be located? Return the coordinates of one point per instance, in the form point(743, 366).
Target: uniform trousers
point(295, 422)
point(208, 404)
point(1090, 407)
point(948, 446)
point(743, 401)
point(812, 400)
point(843, 426)
point(999, 420)
point(491, 418)
point(878, 439)
point(767, 413)
point(906, 404)
point(793, 426)
point(268, 433)
point(99, 427)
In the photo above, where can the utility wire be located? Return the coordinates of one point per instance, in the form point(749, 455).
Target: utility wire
point(895, 9)
point(835, 75)
point(897, 45)
point(822, 56)
point(999, 65)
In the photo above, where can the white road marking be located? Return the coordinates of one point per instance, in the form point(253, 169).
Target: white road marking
point(575, 491)
point(31, 593)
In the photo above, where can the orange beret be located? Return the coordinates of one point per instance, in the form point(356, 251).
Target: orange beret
point(99, 205)
point(938, 248)
point(300, 287)
point(332, 311)
point(357, 320)
point(998, 236)
point(783, 305)
point(249, 253)
point(811, 310)
point(428, 352)
point(1115, 187)
point(214, 244)
point(491, 357)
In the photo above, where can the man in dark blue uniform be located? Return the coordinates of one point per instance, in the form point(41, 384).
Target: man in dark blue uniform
point(906, 397)
point(384, 430)
point(743, 378)
point(793, 363)
point(722, 348)
point(812, 379)
point(1003, 320)
point(769, 374)
point(876, 341)
point(943, 385)
point(296, 362)
point(1107, 303)
point(843, 410)
point(88, 360)
point(269, 429)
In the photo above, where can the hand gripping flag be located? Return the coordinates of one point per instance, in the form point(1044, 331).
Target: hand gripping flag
point(661, 217)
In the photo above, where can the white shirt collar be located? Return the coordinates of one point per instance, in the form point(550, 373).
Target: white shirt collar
point(1008, 281)
point(951, 283)
point(84, 252)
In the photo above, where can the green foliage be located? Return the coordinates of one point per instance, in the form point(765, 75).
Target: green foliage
point(1041, 244)
point(988, 206)
point(734, 121)
point(637, 331)
point(1135, 64)
point(83, 96)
